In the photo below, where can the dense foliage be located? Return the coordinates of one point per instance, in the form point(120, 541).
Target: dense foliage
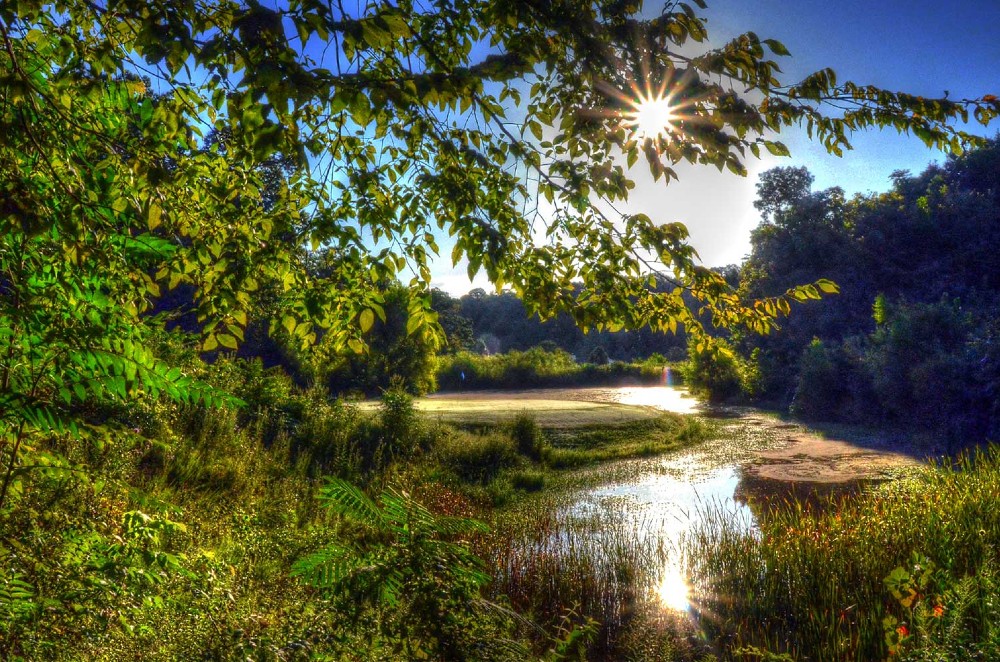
point(270, 167)
point(911, 339)
point(541, 367)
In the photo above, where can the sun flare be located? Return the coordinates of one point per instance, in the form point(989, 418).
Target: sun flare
point(673, 590)
point(653, 116)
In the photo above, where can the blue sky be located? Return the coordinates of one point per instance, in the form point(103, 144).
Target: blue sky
point(915, 46)
point(918, 46)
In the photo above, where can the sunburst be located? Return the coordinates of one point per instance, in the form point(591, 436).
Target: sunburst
point(650, 112)
point(653, 116)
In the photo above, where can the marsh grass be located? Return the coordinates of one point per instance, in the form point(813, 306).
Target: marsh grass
point(594, 444)
point(497, 463)
point(549, 561)
point(811, 580)
point(549, 413)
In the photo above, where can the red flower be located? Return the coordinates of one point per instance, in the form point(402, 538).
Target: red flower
point(938, 611)
point(902, 631)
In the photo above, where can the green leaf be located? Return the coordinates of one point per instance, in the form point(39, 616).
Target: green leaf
point(153, 218)
point(227, 340)
point(827, 286)
point(776, 47)
point(366, 319)
point(776, 148)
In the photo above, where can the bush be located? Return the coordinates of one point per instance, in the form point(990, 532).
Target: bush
point(537, 368)
point(599, 356)
point(477, 457)
point(529, 481)
point(398, 418)
point(820, 386)
point(411, 575)
point(327, 438)
point(713, 371)
point(527, 435)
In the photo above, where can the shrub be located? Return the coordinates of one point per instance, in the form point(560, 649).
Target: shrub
point(328, 439)
point(412, 576)
point(527, 435)
point(713, 370)
point(476, 457)
point(529, 481)
point(398, 419)
point(598, 356)
point(940, 618)
point(820, 384)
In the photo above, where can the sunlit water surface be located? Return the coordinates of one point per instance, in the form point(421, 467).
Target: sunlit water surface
point(667, 497)
point(667, 398)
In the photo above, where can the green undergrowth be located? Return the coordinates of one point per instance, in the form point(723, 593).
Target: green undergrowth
point(909, 568)
point(295, 527)
point(498, 464)
point(641, 438)
point(175, 536)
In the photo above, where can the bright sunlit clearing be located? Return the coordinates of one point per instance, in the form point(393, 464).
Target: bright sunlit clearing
point(653, 116)
point(673, 591)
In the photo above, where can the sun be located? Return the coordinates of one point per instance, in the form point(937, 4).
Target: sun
point(653, 116)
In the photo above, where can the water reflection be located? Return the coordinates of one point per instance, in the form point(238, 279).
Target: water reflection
point(663, 506)
point(673, 591)
point(667, 398)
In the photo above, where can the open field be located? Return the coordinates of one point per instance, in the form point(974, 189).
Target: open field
point(549, 414)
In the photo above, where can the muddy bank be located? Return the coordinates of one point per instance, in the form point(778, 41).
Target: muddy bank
point(798, 455)
point(801, 455)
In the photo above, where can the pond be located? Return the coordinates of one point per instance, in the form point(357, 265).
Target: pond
point(630, 529)
point(663, 499)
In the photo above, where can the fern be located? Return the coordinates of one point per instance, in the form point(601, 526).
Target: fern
point(349, 501)
point(408, 568)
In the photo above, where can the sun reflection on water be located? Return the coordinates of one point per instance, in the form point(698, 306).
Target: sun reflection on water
point(673, 591)
point(666, 398)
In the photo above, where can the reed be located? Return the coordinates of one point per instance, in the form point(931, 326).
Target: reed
point(811, 580)
point(550, 561)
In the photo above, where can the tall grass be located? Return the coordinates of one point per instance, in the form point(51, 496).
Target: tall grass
point(589, 445)
point(811, 580)
point(549, 561)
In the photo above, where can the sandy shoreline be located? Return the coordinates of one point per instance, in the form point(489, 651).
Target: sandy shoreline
point(807, 457)
point(799, 456)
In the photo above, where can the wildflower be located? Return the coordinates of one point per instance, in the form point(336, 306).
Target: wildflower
point(938, 611)
point(902, 631)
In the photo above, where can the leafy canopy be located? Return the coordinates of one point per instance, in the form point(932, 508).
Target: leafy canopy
point(404, 119)
point(136, 135)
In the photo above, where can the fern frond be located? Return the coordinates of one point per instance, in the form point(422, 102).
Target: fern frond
point(349, 501)
point(404, 510)
point(326, 567)
point(391, 586)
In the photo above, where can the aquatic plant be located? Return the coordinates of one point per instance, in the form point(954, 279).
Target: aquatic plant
point(810, 581)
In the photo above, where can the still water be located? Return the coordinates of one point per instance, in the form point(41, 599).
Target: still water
point(665, 498)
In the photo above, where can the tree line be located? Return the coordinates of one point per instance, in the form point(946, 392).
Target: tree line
point(911, 339)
